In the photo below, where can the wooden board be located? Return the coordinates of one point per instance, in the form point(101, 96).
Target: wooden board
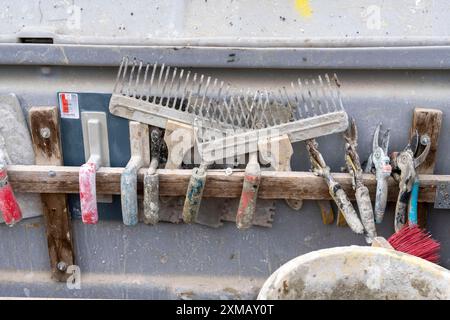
point(45, 134)
point(274, 184)
point(427, 121)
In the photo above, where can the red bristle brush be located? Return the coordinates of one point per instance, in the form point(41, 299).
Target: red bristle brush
point(417, 242)
point(413, 240)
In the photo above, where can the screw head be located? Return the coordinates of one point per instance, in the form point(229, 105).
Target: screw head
point(45, 132)
point(377, 154)
point(425, 139)
point(52, 173)
point(61, 266)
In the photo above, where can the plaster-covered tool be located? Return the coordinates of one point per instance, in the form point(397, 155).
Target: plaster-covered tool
point(337, 193)
point(96, 152)
point(361, 191)
point(404, 172)
point(151, 180)
point(9, 208)
point(197, 181)
point(313, 109)
point(15, 148)
point(380, 161)
point(252, 178)
point(140, 157)
point(247, 203)
point(154, 94)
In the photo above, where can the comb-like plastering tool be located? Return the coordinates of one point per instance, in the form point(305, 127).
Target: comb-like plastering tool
point(313, 109)
point(154, 94)
point(240, 107)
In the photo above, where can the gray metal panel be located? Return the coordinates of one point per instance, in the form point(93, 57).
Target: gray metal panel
point(415, 57)
point(236, 33)
point(175, 261)
point(126, 262)
point(247, 22)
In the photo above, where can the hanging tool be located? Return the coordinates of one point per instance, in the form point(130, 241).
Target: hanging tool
point(380, 161)
point(96, 151)
point(335, 189)
point(151, 180)
point(361, 191)
point(154, 94)
point(429, 121)
point(413, 200)
point(140, 157)
point(404, 165)
point(16, 148)
point(252, 178)
point(9, 208)
point(197, 181)
point(247, 203)
point(411, 238)
point(320, 112)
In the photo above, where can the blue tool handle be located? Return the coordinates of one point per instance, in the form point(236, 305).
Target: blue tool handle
point(412, 215)
point(194, 195)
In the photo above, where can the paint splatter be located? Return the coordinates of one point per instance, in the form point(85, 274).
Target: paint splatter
point(303, 7)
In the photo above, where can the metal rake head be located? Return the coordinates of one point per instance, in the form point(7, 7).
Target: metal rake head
point(314, 97)
point(177, 89)
point(307, 110)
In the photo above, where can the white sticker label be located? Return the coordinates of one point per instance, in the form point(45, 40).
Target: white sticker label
point(68, 105)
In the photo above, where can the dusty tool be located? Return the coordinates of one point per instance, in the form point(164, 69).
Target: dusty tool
point(171, 98)
point(404, 172)
point(154, 94)
point(151, 180)
point(140, 157)
point(361, 191)
point(9, 208)
point(17, 149)
point(308, 96)
point(247, 204)
point(197, 181)
point(415, 241)
point(380, 161)
point(157, 95)
point(96, 151)
point(314, 109)
point(336, 191)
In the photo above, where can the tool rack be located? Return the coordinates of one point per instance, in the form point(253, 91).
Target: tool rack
point(386, 74)
point(54, 181)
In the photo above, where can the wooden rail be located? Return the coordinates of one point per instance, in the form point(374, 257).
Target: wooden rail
point(274, 184)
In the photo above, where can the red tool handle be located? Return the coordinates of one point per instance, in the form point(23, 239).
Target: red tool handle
point(88, 195)
point(9, 207)
point(247, 204)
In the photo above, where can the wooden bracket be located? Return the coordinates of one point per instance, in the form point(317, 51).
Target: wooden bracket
point(173, 183)
point(44, 125)
point(278, 152)
point(427, 121)
point(179, 138)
